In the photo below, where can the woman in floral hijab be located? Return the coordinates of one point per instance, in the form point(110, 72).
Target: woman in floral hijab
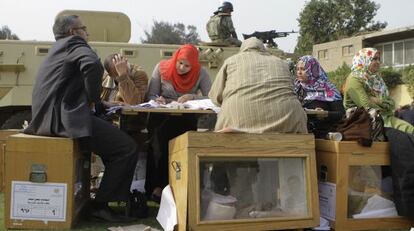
point(315, 91)
point(366, 88)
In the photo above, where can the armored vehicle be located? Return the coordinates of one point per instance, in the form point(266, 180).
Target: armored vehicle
point(109, 32)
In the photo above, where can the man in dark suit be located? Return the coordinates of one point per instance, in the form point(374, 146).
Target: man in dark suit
point(65, 102)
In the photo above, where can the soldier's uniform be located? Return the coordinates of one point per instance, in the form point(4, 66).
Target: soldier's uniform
point(220, 29)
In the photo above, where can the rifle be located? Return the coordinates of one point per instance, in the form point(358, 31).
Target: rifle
point(268, 36)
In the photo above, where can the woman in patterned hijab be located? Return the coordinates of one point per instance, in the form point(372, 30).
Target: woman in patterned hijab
point(312, 83)
point(315, 91)
point(366, 88)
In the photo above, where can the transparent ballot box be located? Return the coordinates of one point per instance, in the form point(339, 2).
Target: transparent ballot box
point(355, 186)
point(370, 192)
point(243, 188)
point(244, 181)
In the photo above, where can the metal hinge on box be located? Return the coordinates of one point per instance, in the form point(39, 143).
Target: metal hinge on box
point(38, 173)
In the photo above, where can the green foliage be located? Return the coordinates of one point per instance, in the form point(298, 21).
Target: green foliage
point(391, 77)
point(408, 78)
point(326, 20)
point(6, 33)
point(167, 33)
point(338, 77)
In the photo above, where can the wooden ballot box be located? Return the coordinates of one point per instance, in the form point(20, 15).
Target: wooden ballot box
point(47, 182)
point(239, 181)
point(355, 186)
point(4, 134)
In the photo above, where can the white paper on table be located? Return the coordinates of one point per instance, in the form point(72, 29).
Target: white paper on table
point(202, 104)
point(167, 214)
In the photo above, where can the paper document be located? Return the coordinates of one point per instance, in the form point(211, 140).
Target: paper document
point(202, 104)
point(167, 214)
point(327, 200)
point(377, 206)
point(35, 201)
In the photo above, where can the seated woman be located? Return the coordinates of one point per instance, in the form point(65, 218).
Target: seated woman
point(177, 79)
point(316, 92)
point(366, 88)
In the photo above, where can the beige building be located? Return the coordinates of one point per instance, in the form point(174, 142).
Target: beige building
point(396, 46)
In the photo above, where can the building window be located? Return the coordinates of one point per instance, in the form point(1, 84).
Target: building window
point(387, 60)
point(348, 50)
point(398, 53)
point(323, 54)
point(409, 52)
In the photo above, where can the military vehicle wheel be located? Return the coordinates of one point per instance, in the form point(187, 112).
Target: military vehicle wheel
point(16, 120)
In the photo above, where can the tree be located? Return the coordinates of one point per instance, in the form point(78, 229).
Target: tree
point(326, 20)
point(6, 33)
point(167, 33)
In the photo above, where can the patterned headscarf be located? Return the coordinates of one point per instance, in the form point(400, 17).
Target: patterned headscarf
point(182, 83)
point(318, 86)
point(373, 81)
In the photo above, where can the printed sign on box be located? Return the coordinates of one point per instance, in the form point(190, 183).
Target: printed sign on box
point(327, 197)
point(34, 201)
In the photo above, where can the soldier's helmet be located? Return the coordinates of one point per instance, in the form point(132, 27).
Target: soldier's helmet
point(226, 7)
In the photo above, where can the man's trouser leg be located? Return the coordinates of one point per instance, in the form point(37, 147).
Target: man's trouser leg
point(119, 154)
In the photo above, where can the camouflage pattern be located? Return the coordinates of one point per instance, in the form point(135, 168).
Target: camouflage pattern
point(220, 29)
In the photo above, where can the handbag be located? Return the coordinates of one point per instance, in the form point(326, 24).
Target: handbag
point(137, 205)
point(356, 126)
point(377, 125)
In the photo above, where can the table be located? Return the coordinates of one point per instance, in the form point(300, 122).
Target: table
point(131, 111)
point(135, 111)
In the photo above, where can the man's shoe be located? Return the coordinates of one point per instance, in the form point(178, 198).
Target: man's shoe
point(106, 214)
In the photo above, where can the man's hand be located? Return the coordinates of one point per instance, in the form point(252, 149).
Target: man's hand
point(185, 98)
point(121, 66)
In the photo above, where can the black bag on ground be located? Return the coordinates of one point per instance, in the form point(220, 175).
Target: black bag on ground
point(402, 167)
point(137, 205)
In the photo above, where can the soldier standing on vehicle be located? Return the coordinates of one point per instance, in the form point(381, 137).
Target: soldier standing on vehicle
point(65, 94)
point(220, 26)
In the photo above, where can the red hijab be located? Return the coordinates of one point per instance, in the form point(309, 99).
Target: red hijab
point(182, 83)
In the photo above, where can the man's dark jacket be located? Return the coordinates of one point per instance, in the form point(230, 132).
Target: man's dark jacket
point(407, 115)
point(68, 80)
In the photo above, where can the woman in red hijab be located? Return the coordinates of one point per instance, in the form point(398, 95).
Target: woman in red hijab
point(180, 79)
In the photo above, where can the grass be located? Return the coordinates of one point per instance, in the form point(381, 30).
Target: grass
point(86, 225)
